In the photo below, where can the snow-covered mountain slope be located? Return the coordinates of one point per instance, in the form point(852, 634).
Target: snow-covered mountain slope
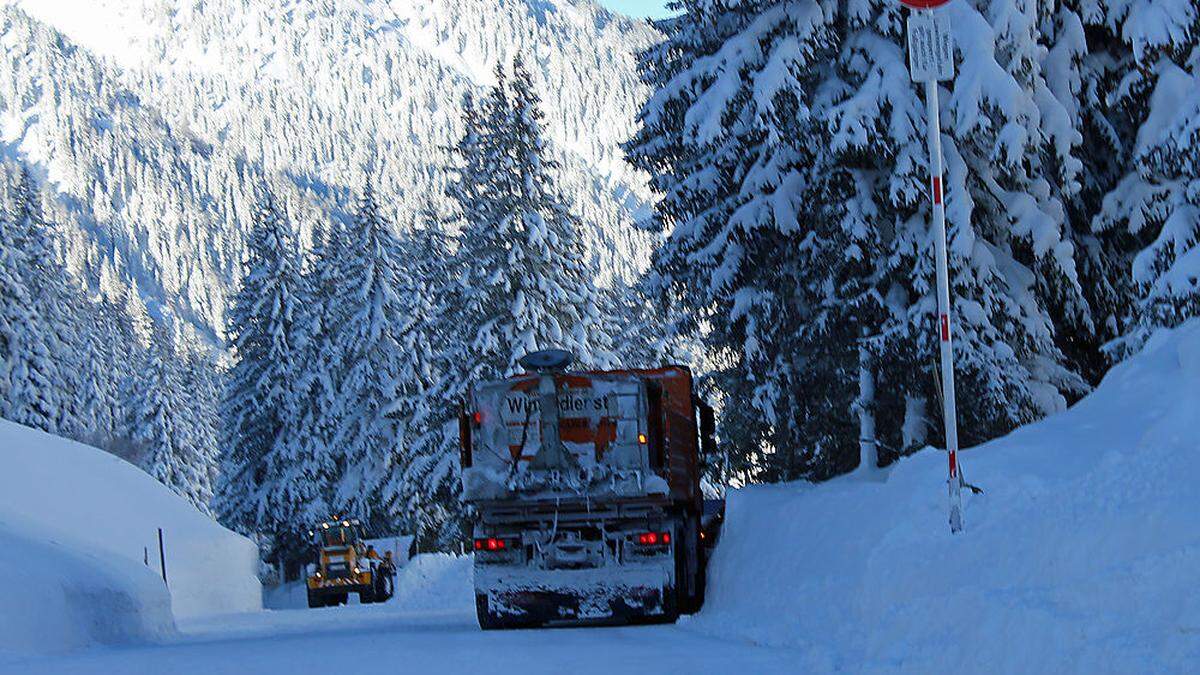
point(1082, 555)
point(89, 505)
point(583, 55)
point(315, 92)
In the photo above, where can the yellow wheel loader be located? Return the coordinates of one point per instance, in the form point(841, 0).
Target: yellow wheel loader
point(345, 564)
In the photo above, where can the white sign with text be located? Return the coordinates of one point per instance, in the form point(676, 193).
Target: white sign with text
point(930, 47)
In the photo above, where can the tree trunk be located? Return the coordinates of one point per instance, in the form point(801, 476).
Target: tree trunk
point(868, 447)
point(916, 424)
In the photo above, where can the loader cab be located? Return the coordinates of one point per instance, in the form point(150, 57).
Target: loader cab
point(338, 533)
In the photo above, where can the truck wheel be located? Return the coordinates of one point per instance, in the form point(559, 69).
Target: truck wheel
point(674, 598)
point(688, 593)
point(337, 599)
point(671, 599)
point(315, 600)
point(486, 620)
point(701, 570)
point(366, 596)
point(695, 565)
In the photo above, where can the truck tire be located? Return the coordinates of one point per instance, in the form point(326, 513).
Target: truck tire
point(315, 600)
point(695, 565)
point(702, 580)
point(367, 596)
point(674, 597)
point(671, 598)
point(486, 620)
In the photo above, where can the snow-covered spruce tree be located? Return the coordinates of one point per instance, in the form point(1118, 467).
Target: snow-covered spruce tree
point(122, 348)
point(1146, 66)
point(142, 329)
point(642, 337)
point(317, 405)
point(200, 377)
point(54, 375)
point(76, 332)
point(423, 490)
point(1079, 172)
point(523, 280)
point(158, 422)
point(1009, 167)
point(371, 321)
point(789, 147)
point(100, 374)
point(139, 319)
point(764, 246)
point(23, 355)
point(466, 196)
point(526, 281)
point(256, 408)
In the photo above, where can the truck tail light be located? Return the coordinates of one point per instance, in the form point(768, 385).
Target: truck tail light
point(490, 544)
point(654, 538)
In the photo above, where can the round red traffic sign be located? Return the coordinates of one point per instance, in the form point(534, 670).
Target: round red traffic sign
point(924, 4)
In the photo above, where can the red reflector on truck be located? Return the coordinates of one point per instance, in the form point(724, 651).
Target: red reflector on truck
point(490, 544)
point(654, 538)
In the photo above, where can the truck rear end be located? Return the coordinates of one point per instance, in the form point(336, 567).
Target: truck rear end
point(586, 493)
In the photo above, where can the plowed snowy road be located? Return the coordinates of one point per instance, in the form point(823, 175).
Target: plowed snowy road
point(380, 639)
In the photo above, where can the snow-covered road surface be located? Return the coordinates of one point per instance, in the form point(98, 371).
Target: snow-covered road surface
point(381, 639)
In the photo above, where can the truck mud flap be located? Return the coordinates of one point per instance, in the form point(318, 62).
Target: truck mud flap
point(517, 605)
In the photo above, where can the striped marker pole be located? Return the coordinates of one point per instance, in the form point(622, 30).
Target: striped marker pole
point(949, 407)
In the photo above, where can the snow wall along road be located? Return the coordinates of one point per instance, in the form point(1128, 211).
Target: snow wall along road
point(1081, 556)
point(81, 522)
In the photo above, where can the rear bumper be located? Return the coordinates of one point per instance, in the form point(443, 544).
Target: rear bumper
point(615, 594)
point(328, 588)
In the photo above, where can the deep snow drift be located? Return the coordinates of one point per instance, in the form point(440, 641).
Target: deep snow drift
point(1083, 554)
point(77, 527)
point(59, 599)
point(435, 581)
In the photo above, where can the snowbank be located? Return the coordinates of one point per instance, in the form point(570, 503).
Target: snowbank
point(436, 581)
point(398, 545)
point(1083, 555)
point(66, 600)
point(88, 505)
point(290, 595)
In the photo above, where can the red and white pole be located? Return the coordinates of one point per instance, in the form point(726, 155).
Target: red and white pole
point(949, 407)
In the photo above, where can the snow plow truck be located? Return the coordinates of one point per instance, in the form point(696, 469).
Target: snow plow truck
point(585, 490)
